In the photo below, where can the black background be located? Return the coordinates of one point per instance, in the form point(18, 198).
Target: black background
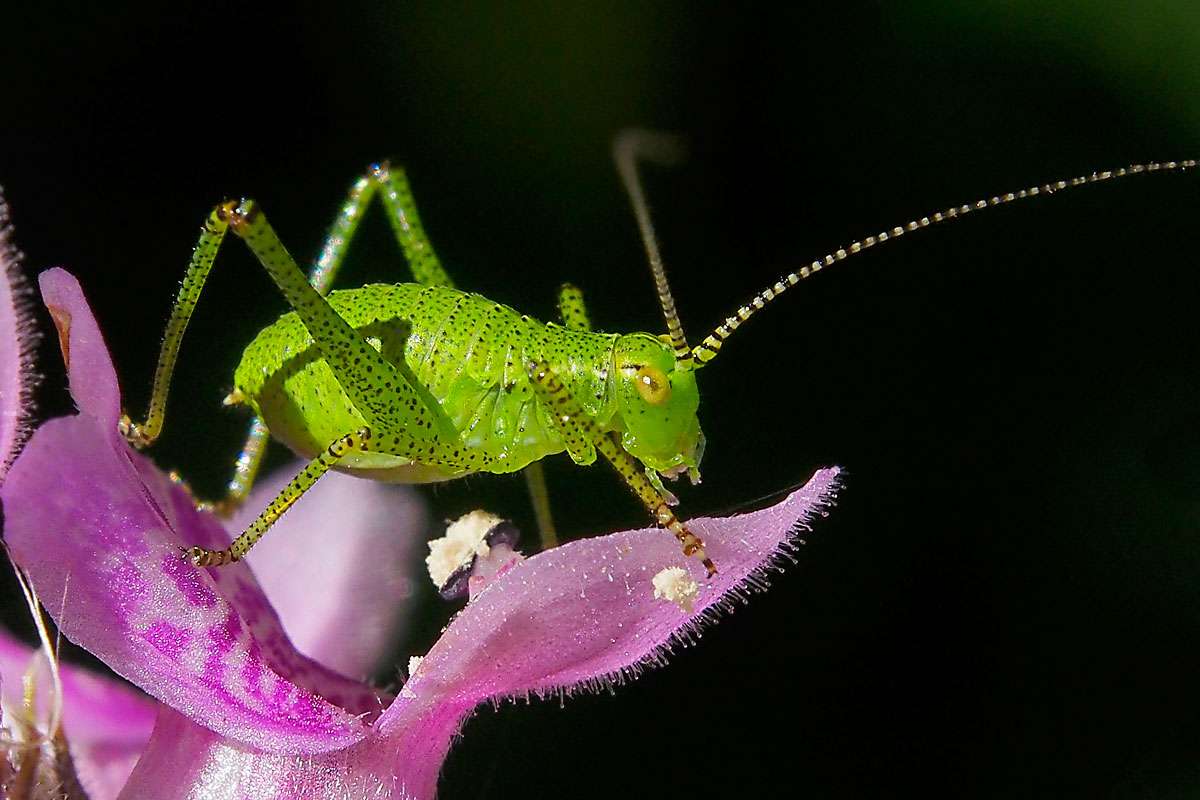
point(1005, 602)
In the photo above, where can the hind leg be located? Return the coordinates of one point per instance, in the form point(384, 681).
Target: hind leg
point(391, 185)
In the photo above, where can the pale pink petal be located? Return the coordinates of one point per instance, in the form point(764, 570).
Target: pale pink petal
point(89, 368)
point(582, 615)
point(18, 338)
point(107, 724)
point(99, 530)
point(585, 614)
point(338, 567)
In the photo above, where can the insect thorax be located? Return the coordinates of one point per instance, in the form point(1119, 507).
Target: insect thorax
point(469, 352)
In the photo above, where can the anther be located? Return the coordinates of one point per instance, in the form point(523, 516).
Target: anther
point(675, 585)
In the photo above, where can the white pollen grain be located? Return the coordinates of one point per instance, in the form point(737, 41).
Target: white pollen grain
point(676, 585)
point(465, 538)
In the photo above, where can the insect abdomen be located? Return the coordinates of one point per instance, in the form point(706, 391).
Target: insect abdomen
point(469, 352)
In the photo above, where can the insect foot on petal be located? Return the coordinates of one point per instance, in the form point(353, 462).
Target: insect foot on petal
point(203, 557)
point(477, 547)
point(133, 433)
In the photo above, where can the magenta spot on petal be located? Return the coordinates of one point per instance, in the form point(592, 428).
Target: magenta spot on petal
point(306, 711)
point(252, 672)
point(254, 667)
point(280, 695)
point(189, 581)
point(223, 636)
point(226, 697)
point(214, 663)
point(168, 639)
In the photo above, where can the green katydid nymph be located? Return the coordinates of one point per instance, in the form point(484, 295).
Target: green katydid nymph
point(420, 382)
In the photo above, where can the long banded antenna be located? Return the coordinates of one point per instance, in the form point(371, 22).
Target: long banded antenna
point(707, 350)
point(629, 146)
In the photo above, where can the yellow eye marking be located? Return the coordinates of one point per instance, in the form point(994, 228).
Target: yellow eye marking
point(652, 385)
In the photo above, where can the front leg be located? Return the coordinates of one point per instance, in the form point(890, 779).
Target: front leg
point(395, 441)
point(143, 434)
point(352, 442)
point(578, 428)
point(397, 199)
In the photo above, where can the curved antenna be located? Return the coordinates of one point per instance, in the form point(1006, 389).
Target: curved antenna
point(661, 148)
point(707, 350)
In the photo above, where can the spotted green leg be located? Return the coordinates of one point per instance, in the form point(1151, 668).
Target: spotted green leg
point(392, 187)
point(396, 195)
point(406, 421)
point(582, 437)
point(573, 313)
point(359, 441)
point(571, 308)
point(143, 434)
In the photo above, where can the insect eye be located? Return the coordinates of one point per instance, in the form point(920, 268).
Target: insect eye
point(652, 385)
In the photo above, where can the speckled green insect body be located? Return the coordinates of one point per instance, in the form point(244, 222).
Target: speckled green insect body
point(419, 382)
point(471, 355)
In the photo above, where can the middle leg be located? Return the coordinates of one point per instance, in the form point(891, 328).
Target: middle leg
point(573, 313)
point(577, 426)
point(391, 185)
point(351, 442)
point(395, 441)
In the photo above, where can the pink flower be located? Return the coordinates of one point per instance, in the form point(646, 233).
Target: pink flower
point(242, 712)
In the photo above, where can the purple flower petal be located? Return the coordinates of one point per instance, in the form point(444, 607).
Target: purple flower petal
point(365, 533)
point(582, 615)
point(18, 338)
point(89, 369)
point(107, 724)
point(585, 614)
point(99, 530)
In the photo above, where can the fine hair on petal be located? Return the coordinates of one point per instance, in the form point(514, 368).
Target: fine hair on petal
point(756, 581)
point(17, 330)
